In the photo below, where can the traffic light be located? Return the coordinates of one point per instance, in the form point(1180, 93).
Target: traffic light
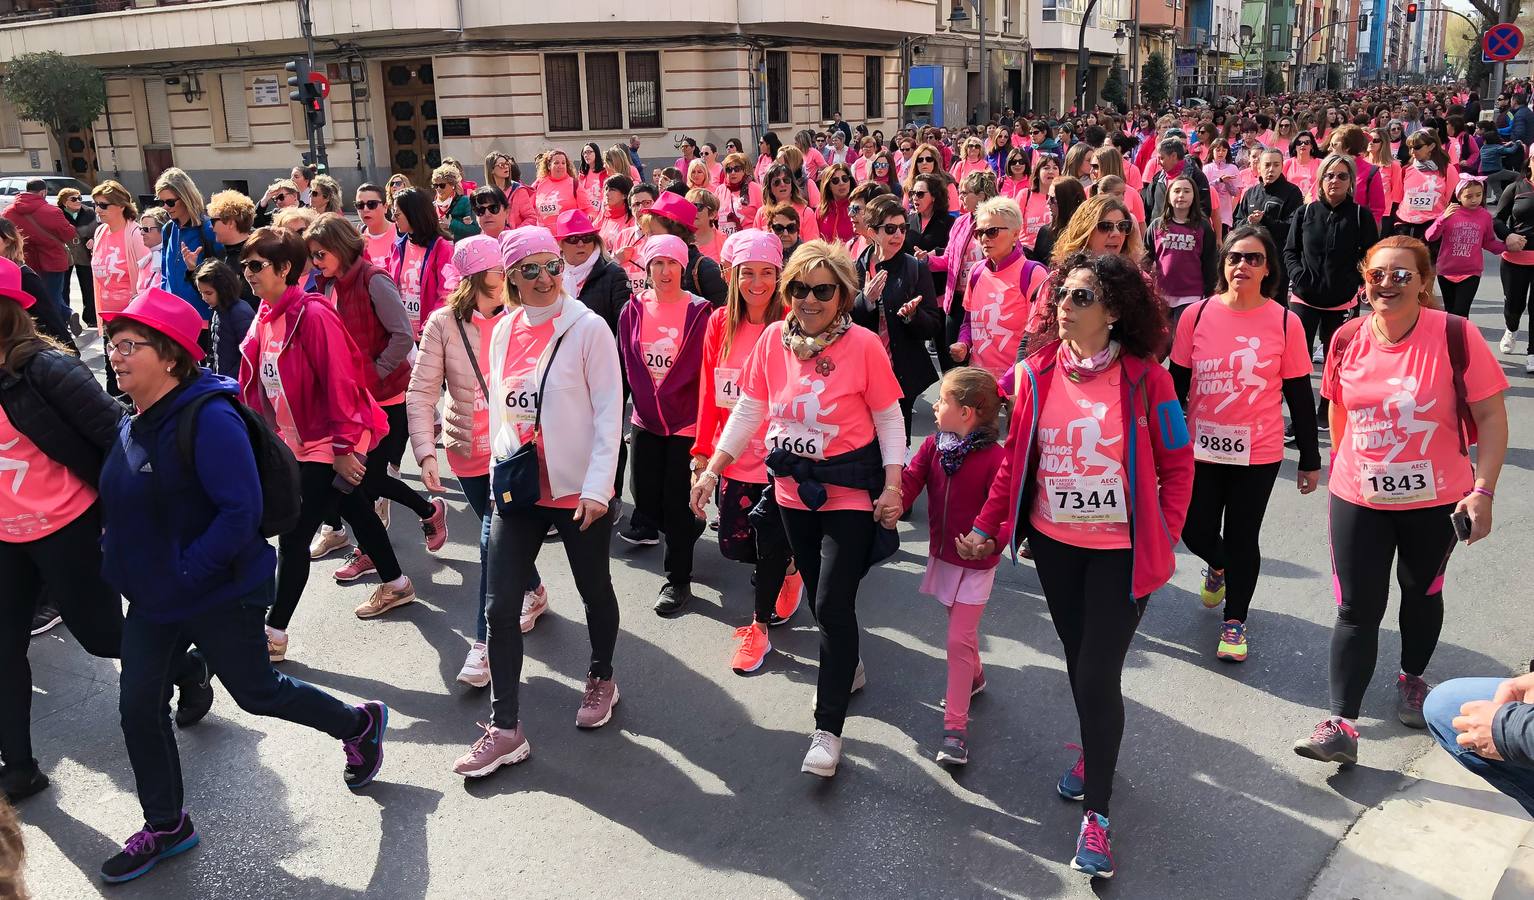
point(1363, 26)
point(299, 80)
point(1411, 13)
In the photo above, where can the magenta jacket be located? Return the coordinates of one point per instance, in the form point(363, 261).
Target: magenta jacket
point(672, 405)
point(953, 501)
point(1464, 236)
point(952, 258)
point(319, 367)
point(1159, 460)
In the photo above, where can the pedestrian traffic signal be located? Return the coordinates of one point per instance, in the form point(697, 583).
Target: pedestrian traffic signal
point(1411, 13)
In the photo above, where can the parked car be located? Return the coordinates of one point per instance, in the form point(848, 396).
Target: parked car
point(11, 185)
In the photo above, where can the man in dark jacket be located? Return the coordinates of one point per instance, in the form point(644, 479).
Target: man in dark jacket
point(1272, 203)
point(1172, 153)
point(46, 233)
point(1488, 726)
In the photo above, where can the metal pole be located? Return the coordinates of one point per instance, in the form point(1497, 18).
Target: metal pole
point(1499, 70)
point(316, 135)
point(1082, 61)
point(985, 67)
point(1134, 53)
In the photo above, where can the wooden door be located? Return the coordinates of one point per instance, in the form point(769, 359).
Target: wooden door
point(410, 102)
point(80, 155)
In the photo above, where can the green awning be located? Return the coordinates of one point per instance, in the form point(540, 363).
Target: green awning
point(919, 97)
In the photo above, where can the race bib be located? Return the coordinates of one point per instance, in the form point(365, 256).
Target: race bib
point(548, 207)
point(521, 393)
point(270, 381)
point(413, 307)
point(1397, 482)
point(726, 387)
point(796, 438)
point(1420, 201)
point(1228, 444)
point(658, 358)
point(1086, 499)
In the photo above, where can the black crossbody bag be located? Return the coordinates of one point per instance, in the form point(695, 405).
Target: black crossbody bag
point(514, 481)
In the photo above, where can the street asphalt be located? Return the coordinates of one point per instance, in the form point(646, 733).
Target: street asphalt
point(694, 787)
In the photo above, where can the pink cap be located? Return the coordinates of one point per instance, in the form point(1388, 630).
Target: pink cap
point(572, 222)
point(166, 313)
point(751, 245)
point(10, 284)
point(676, 208)
point(520, 243)
point(662, 245)
point(476, 254)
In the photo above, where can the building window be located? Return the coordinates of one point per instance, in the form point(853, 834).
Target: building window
point(1047, 10)
point(777, 86)
point(236, 114)
point(587, 91)
point(159, 110)
point(10, 124)
point(873, 86)
point(830, 85)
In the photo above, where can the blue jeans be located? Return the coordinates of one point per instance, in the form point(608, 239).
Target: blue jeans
point(476, 489)
point(1440, 708)
point(233, 641)
point(57, 284)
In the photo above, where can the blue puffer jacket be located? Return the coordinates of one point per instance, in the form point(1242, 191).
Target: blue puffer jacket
point(176, 541)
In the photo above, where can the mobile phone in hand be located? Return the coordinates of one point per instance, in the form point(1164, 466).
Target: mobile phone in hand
point(1461, 520)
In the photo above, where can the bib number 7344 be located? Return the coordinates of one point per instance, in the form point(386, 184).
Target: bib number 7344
point(1087, 499)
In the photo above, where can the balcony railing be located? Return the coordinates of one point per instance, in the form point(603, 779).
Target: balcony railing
point(14, 11)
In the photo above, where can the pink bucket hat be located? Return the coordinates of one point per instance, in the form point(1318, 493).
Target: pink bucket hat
point(166, 313)
point(10, 284)
point(520, 243)
point(476, 254)
point(662, 245)
point(751, 245)
point(676, 208)
point(572, 222)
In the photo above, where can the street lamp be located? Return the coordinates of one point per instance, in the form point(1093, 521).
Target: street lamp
point(958, 17)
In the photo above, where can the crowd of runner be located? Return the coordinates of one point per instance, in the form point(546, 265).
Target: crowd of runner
point(1117, 312)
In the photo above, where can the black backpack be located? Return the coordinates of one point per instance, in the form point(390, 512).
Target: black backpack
point(276, 465)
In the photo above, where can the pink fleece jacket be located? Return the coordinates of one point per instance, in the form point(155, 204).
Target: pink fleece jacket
point(1464, 235)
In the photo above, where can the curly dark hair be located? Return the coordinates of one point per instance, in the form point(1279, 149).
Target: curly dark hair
point(1141, 329)
point(1269, 285)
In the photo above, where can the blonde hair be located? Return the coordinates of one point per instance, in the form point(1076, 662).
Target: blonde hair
point(616, 161)
point(234, 205)
point(329, 188)
point(1003, 208)
point(285, 184)
point(154, 214)
point(337, 236)
point(1422, 257)
point(302, 215)
point(1109, 161)
point(390, 191)
point(448, 173)
point(179, 183)
point(1079, 230)
point(111, 192)
point(705, 198)
point(819, 254)
point(697, 166)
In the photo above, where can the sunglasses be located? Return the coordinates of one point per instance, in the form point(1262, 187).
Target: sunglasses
point(840, 179)
point(318, 256)
point(579, 239)
point(778, 181)
point(1123, 226)
point(398, 182)
point(254, 266)
point(790, 228)
point(1035, 132)
point(1018, 163)
point(734, 169)
point(1336, 176)
point(854, 209)
point(368, 204)
point(1235, 258)
point(986, 234)
point(892, 229)
point(529, 271)
point(1081, 298)
point(440, 185)
point(881, 165)
point(799, 290)
point(279, 196)
point(148, 229)
point(926, 159)
point(489, 209)
point(1389, 277)
point(169, 202)
point(100, 204)
point(917, 195)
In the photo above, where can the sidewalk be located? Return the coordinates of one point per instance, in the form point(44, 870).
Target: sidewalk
point(1446, 835)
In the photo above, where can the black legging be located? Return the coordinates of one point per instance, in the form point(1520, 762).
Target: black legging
point(1325, 322)
point(67, 563)
point(1365, 541)
point(1516, 281)
point(1088, 593)
point(1238, 496)
point(86, 278)
point(831, 549)
point(515, 540)
point(1459, 295)
point(662, 482)
point(377, 482)
point(319, 497)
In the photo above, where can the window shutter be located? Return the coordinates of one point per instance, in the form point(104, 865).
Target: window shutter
point(604, 98)
point(562, 87)
point(236, 115)
point(159, 110)
point(643, 69)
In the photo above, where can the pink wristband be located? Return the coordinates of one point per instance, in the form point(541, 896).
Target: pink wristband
point(1483, 492)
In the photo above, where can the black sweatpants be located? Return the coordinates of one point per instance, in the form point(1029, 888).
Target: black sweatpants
point(1225, 522)
point(1459, 295)
point(1322, 322)
point(952, 322)
point(67, 564)
point(831, 549)
point(319, 497)
point(515, 541)
point(1365, 542)
point(1089, 598)
point(662, 483)
point(1516, 282)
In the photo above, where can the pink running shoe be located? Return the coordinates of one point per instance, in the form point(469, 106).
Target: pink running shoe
point(434, 528)
point(357, 565)
point(495, 748)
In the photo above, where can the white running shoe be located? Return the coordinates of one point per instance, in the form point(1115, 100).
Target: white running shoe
point(1528, 365)
point(1509, 342)
point(824, 754)
point(476, 666)
point(381, 506)
point(327, 541)
point(1320, 354)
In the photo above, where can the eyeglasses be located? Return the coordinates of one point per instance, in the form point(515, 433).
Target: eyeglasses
point(1035, 131)
point(318, 256)
point(881, 165)
point(148, 229)
point(799, 290)
point(125, 347)
point(840, 179)
point(1235, 258)
point(169, 202)
point(254, 266)
point(1123, 226)
point(529, 271)
point(368, 204)
point(893, 229)
point(489, 209)
point(400, 182)
point(777, 181)
point(986, 234)
point(579, 239)
point(1336, 176)
point(854, 209)
point(1389, 277)
point(1081, 298)
point(788, 228)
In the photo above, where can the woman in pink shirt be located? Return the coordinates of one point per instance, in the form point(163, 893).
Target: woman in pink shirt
point(1369, 190)
point(1034, 203)
point(1426, 186)
point(1384, 160)
point(419, 263)
point(593, 174)
point(1238, 357)
point(1221, 173)
point(116, 250)
point(688, 147)
point(1015, 181)
point(832, 219)
point(972, 159)
point(1412, 388)
point(1300, 167)
point(926, 160)
point(378, 233)
point(556, 190)
point(779, 186)
point(835, 444)
point(766, 154)
point(739, 196)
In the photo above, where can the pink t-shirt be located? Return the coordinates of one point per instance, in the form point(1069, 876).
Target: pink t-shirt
point(1302, 175)
point(1035, 209)
point(751, 465)
point(478, 460)
point(1400, 449)
point(1239, 359)
point(660, 339)
point(410, 283)
point(552, 197)
point(998, 305)
point(38, 496)
point(114, 266)
point(1081, 497)
point(1424, 194)
point(379, 248)
point(518, 389)
point(269, 339)
point(821, 407)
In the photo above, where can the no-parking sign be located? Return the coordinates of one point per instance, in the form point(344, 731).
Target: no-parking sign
point(1502, 42)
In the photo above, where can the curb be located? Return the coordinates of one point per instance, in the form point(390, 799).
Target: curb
point(1518, 880)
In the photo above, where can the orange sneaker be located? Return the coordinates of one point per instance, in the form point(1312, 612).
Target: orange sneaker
point(788, 598)
point(753, 648)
